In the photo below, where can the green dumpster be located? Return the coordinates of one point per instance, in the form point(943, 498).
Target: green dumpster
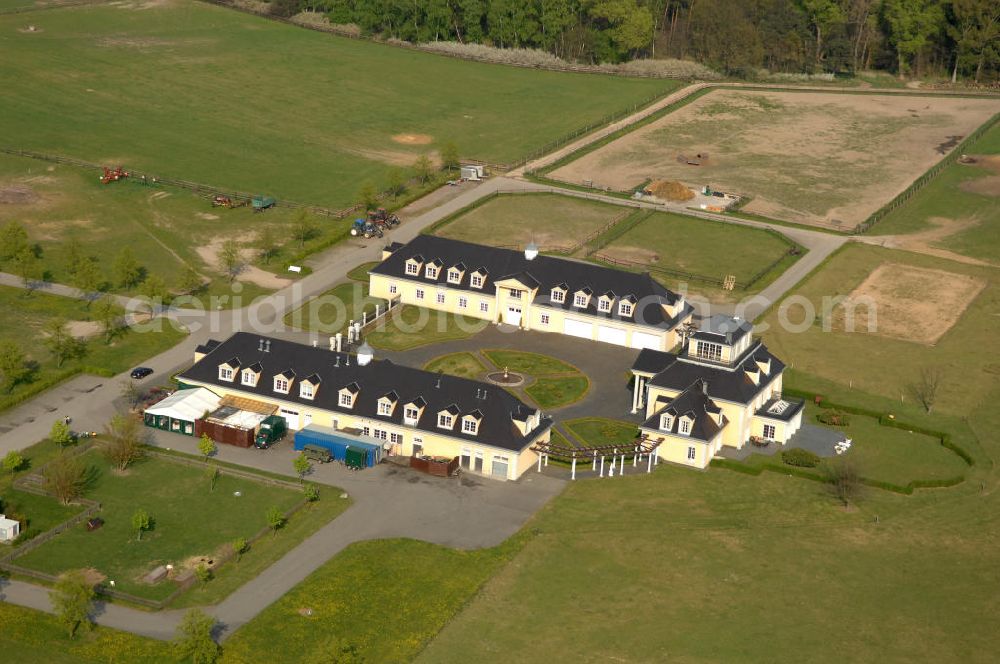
point(355, 458)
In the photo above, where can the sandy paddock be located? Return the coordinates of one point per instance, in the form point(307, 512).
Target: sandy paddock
point(909, 303)
point(250, 273)
point(808, 157)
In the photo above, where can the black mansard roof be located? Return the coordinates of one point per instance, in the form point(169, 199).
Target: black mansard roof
point(542, 272)
point(678, 372)
point(496, 407)
point(695, 404)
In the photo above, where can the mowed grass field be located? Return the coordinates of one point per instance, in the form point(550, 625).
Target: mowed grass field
point(553, 222)
point(806, 157)
point(207, 94)
point(959, 210)
point(888, 367)
point(23, 322)
point(167, 229)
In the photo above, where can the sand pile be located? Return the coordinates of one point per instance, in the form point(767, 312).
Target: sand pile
point(670, 190)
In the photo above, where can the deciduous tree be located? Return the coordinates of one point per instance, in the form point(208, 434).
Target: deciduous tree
point(72, 600)
point(13, 240)
point(206, 446)
point(449, 156)
point(123, 444)
point(368, 196)
point(127, 270)
point(141, 522)
point(63, 345)
point(111, 316)
point(87, 279)
point(60, 433)
point(14, 367)
point(301, 465)
point(65, 478)
point(265, 244)
point(304, 227)
point(12, 462)
point(423, 168)
point(275, 519)
point(194, 640)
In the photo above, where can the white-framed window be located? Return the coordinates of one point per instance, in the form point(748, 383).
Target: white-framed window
point(454, 276)
point(410, 414)
point(666, 421)
point(604, 304)
point(463, 302)
point(484, 306)
point(420, 293)
point(393, 289)
point(709, 351)
point(366, 431)
point(384, 408)
point(381, 434)
point(769, 432)
point(396, 438)
point(515, 294)
point(431, 272)
point(580, 300)
point(281, 384)
point(685, 426)
point(225, 373)
point(249, 378)
point(440, 298)
point(445, 421)
point(692, 452)
point(545, 318)
point(470, 426)
point(625, 309)
point(346, 399)
point(306, 391)
point(558, 295)
point(476, 281)
point(412, 268)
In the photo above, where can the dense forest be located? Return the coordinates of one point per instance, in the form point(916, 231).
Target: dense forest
point(956, 38)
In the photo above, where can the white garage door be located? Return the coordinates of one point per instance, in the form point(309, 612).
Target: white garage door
point(578, 328)
point(291, 418)
point(611, 335)
point(644, 340)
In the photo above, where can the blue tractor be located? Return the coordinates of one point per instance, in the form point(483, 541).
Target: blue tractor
point(366, 229)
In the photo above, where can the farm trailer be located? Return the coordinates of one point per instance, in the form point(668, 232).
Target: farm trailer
point(346, 445)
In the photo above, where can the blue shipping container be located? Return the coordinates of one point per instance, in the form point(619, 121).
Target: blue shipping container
point(337, 442)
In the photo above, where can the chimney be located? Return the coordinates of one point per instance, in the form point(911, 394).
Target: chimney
point(260, 345)
point(531, 251)
point(336, 365)
point(267, 345)
point(704, 387)
point(437, 385)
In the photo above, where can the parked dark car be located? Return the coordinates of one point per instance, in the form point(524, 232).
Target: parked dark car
point(141, 372)
point(317, 453)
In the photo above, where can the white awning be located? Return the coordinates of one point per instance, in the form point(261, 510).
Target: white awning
point(186, 405)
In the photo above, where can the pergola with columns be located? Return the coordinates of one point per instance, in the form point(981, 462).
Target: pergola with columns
point(643, 447)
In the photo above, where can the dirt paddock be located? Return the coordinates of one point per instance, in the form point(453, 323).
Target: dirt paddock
point(809, 157)
point(909, 303)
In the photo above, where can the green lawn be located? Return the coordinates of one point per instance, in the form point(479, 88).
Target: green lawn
point(975, 213)
point(386, 598)
point(888, 367)
point(708, 249)
point(330, 312)
point(553, 222)
point(412, 327)
point(168, 230)
point(887, 454)
point(596, 431)
point(36, 513)
point(528, 363)
point(33, 637)
point(464, 365)
point(189, 520)
point(204, 93)
point(558, 392)
point(360, 273)
point(25, 316)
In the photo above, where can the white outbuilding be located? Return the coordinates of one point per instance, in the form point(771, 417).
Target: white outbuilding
point(9, 529)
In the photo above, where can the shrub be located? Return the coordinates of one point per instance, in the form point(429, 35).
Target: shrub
point(800, 457)
point(834, 417)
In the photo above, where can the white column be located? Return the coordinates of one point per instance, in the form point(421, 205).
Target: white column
point(635, 395)
point(539, 462)
point(594, 468)
point(611, 470)
point(635, 457)
point(649, 463)
point(546, 460)
point(642, 393)
point(601, 474)
point(377, 307)
point(573, 471)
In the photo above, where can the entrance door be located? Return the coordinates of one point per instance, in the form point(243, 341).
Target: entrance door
point(512, 316)
point(500, 467)
point(466, 459)
point(307, 419)
point(479, 462)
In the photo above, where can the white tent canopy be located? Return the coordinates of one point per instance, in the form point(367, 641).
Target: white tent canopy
point(186, 405)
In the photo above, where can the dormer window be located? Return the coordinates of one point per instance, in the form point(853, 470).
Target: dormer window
point(455, 274)
point(666, 422)
point(282, 383)
point(306, 391)
point(413, 265)
point(387, 404)
point(685, 426)
point(346, 399)
point(445, 421)
point(581, 299)
point(249, 377)
point(225, 373)
point(411, 414)
point(431, 272)
point(604, 304)
point(625, 308)
point(558, 295)
point(477, 279)
point(347, 395)
point(470, 425)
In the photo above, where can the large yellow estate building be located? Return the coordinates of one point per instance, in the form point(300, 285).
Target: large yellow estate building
point(409, 412)
point(722, 389)
point(532, 291)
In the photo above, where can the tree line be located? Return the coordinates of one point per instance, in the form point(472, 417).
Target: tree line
point(960, 38)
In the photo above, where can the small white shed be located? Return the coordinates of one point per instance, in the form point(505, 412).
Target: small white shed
point(9, 529)
point(473, 173)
